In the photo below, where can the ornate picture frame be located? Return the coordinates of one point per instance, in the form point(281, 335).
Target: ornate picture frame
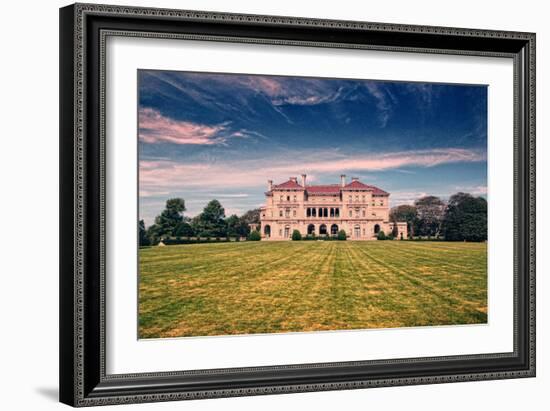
point(84, 29)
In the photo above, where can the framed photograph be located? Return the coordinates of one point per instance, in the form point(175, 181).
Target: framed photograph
point(261, 204)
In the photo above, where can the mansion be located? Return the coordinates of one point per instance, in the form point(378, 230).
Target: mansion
point(361, 210)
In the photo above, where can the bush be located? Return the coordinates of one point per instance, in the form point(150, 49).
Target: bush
point(254, 236)
point(381, 235)
point(342, 235)
point(296, 236)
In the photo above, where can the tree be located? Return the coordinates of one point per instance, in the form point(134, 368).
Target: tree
point(211, 223)
point(430, 211)
point(143, 238)
point(465, 218)
point(342, 235)
point(405, 213)
point(381, 235)
point(254, 236)
point(251, 216)
point(170, 217)
point(236, 227)
point(394, 230)
point(154, 234)
point(184, 229)
point(296, 236)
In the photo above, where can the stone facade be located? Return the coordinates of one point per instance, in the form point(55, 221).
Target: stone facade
point(359, 209)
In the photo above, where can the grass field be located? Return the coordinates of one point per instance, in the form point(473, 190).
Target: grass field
point(270, 287)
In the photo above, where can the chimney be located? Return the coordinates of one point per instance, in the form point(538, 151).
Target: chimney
point(269, 185)
point(354, 179)
point(342, 180)
point(303, 180)
point(293, 179)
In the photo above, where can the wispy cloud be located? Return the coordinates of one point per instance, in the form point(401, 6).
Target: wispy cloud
point(156, 128)
point(167, 175)
point(384, 101)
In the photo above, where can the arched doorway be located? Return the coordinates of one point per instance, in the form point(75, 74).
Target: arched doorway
point(310, 229)
point(323, 229)
point(376, 229)
point(334, 229)
point(267, 231)
point(357, 231)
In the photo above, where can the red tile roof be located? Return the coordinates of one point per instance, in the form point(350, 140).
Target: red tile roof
point(331, 188)
point(324, 189)
point(357, 185)
point(288, 184)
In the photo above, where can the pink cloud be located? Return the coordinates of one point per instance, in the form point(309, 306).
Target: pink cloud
point(164, 175)
point(156, 128)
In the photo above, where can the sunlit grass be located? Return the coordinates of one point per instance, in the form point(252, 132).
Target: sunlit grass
point(270, 287)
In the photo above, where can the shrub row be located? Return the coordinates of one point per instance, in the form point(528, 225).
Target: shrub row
point(198, 240)
point(297, 236)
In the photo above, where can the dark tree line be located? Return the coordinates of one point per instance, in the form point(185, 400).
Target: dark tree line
point(211, 223)
point(462, 218)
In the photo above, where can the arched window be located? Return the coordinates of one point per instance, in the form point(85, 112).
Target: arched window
point(326, 212)
point(332, 212)
point(310, 229)
point(322, 229)
point(337, 212)
point(308, 212)
point(267, 231)
point(334, 229)
point(314, 212)
point(376, 229)
point(320, 212)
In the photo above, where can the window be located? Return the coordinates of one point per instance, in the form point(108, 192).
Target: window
point(280, 232)
point(350, 198)
point(280, 213)
point(287, 213)
point(281, 198)
point(357, 212)
point(294, 198)
point(363, 199)
point(364, 213)
point(337, 213)
point(287, 198)
point(356, 199)
point(294, 213)
point(308, 212)
point(350, 213)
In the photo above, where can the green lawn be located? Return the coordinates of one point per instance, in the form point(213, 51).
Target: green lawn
point(269, 287)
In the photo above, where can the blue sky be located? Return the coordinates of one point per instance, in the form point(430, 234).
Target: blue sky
point(204, 136)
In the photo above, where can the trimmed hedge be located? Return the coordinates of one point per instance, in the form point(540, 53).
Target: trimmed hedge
point(254, 236)
point(296, 236)
point(342, 235)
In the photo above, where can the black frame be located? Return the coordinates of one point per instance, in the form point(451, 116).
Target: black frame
point(83, 30)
